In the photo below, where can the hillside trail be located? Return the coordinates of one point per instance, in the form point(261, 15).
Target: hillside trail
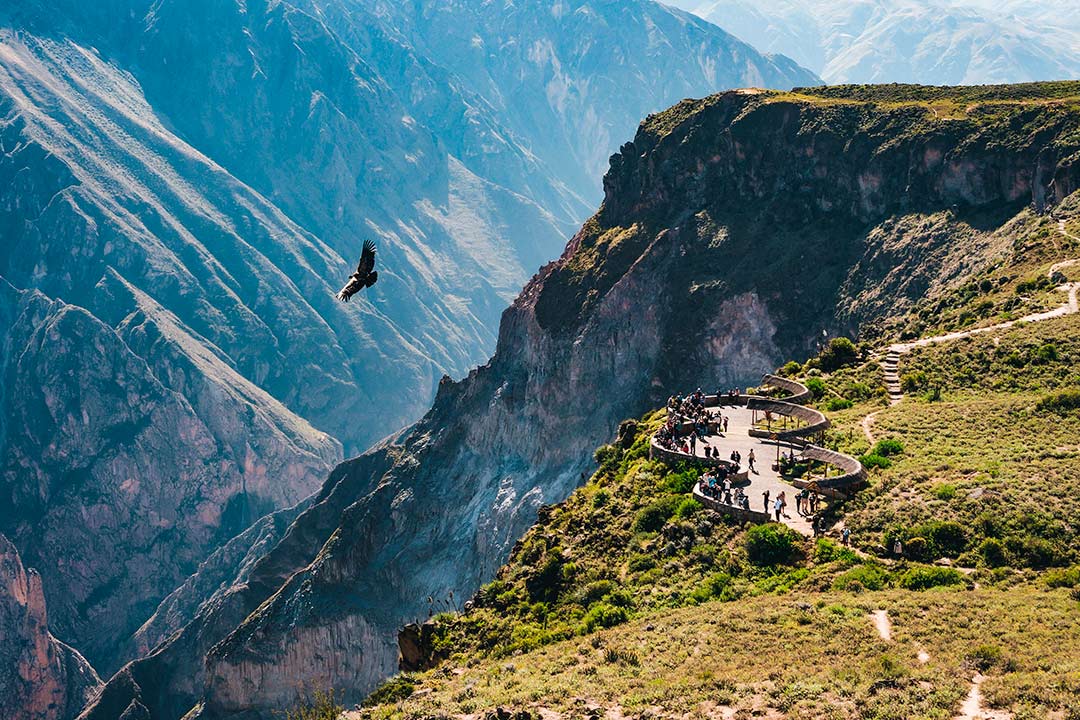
point(890, 363)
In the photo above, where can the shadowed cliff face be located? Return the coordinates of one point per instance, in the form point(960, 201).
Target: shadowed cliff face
point(42, 678)
point(734, 231)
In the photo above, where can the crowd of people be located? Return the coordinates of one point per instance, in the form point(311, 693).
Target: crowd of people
point(716, 484)
point(690, 409)
point(690, 423)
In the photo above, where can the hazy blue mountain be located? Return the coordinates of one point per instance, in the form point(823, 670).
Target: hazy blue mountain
point(920, 41)
point(183, 186)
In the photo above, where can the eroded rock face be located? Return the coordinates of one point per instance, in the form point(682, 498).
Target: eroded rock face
point(117, 485)
point(41, 678)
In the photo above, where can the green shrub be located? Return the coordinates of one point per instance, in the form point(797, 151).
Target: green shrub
point(826, 551)
point(549, 579)
point(925, 577)
point(641, 563)
point(688, 507)
point(1046, 353)
point(984, 657)
point(396, 689)
point(839, 353)
point(944, 491)
point(871, 462)
point(604, 615)
point(608, 456)
point(917, 548)
point(947, 538)
point(1060, 402)
point(600, 499)
point(993, 553)
point(653, 516)
point(771, 544)
point(718, 585)
point(862, 577)
point(914, 382)
point(816, 386)
point(321, 706)
point(834, 404)
point(1064, 578)
point(593, 592)
point(680, 483)
point(1035, 552)
point(887, 447)
point(790, 369)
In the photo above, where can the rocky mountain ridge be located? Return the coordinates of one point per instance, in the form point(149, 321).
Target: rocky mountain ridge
point(937, 42)
point(184, 187)
point(735, 231)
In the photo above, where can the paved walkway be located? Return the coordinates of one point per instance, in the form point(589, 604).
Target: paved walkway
point(765, 478)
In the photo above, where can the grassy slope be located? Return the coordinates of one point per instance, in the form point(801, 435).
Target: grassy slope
point(801, 655)
point(784, 639)
point(700, 629)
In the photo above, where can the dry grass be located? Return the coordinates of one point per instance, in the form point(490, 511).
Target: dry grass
point(799, 656)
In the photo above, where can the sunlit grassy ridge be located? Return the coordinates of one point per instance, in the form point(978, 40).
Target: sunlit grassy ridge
point(804, 655)
point(980, 103)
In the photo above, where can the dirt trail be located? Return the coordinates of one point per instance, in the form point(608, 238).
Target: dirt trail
point(882, 624)
point(867, 425)
point(972, 708)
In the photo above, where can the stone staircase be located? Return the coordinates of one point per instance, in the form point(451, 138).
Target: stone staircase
point(890, 365)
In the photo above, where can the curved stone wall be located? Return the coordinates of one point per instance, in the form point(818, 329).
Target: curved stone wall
point(797, 392)
point(754, 516)
point(853, 471)
point(816, 422)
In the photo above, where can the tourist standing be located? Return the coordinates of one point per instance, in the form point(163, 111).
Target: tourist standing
point(766, 496)
point(725, 423)
point(750, 460)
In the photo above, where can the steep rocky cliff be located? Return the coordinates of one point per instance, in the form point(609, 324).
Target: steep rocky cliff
point(41, 678)
point(191, 181)
point(735, 231)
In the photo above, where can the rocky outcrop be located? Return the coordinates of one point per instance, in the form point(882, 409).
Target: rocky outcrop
point(41, 678)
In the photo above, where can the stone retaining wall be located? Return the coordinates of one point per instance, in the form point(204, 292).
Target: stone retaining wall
point(754, 516)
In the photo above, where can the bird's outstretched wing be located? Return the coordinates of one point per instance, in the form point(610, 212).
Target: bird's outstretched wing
point(367, 259)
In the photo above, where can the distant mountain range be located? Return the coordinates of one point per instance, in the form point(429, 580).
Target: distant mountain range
point(935, 42)
point(185, 183)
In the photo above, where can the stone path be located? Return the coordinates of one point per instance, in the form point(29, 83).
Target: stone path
point(765, 478)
